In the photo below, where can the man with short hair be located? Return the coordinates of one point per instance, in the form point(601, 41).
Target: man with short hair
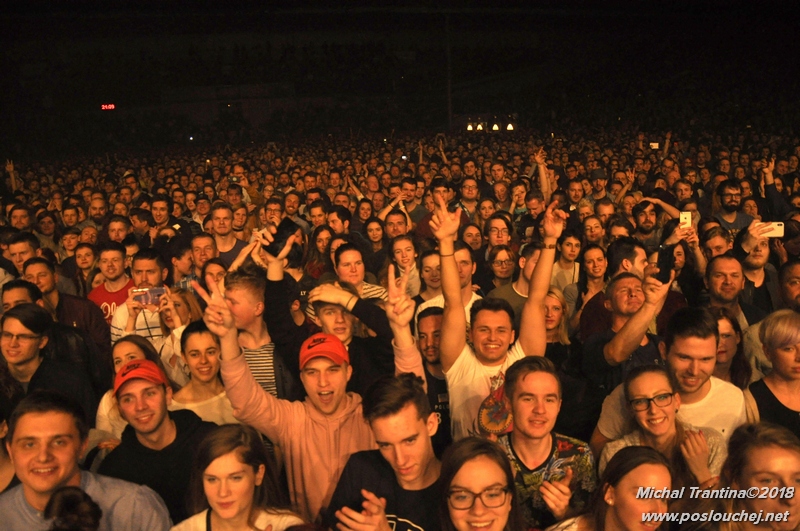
point(608, 356)
point(716, 241)
point(339, 219)
point(761, 288)
point(69, 309)
point(158, 445)
point(473, 371)
point(689, 348)
point(647, 230)
point(731, 217)
point(396, 486)
point(148, 270)
point(396, 223)
point(47, 432)
point(228, 246)
point(204, 248)
point(113, 292)
point(725, 282)
point(118, 228)
point(554, 475)
point(291, 205)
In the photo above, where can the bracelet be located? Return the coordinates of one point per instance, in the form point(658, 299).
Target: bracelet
point(349, 300)
point(446, 255)
point(550, 246)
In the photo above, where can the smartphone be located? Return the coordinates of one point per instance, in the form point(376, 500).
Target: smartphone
point(775, 230)
point(234, 179)
point(149, 295)
point(286, 228)
point(654, 145)
point(666, 261)
point(686, 220)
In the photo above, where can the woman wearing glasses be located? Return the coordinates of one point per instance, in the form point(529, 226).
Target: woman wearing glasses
point(478, 488)
point(696, 454)
point(501, 264)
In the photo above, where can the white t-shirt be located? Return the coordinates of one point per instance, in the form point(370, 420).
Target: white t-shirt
point(469, 382)
point(721, 409)
point(217, 409)
point(438, 302)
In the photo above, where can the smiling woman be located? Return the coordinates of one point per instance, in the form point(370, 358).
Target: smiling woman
point(234, 485)
point(696, 454)
point(478, 488)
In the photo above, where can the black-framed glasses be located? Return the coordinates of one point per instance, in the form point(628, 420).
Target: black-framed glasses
point(499, 263)
point(22, 338)
point(491, 498)
point(643, 404)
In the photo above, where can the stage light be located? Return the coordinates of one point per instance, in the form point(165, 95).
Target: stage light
point(510, 127)
point(469, 127)
point(495, 127)
point(480, 127)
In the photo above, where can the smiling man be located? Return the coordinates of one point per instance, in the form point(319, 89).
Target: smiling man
point(46, 438)
point(400, 416)
point(554, 474)
point(158, 446)
point(473, 370)
point(689, 349)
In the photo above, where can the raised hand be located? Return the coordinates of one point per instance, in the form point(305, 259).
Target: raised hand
point(399, 306)
point(553, 221)
point(331, 293)
point(10, 166)
point(556, 494)
point(166, 307)
point(218, 316)
point(444, 224)
point(655, 291)
point(540, 156)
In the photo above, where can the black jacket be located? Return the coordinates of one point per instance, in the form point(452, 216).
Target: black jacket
point(166, 471)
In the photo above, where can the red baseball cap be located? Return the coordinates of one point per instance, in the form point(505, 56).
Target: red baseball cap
point(323, 346)
point(141, 369)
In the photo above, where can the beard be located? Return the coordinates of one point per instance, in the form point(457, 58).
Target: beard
point(730, 208)
point(646, 229)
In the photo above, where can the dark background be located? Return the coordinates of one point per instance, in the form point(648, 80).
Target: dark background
point(220, 72)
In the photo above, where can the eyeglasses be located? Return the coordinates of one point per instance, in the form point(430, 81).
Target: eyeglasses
point(469, 187)
point(643, 404)
point(499, 263)
point(491, 498)
point(22, 338)
point(495, 230)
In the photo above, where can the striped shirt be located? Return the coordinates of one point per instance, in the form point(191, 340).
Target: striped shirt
point(261, 363)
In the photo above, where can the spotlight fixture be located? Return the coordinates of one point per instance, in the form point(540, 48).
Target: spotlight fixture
point(495, 127)
point(469, 127)
point(510, 127)
point(480, 127)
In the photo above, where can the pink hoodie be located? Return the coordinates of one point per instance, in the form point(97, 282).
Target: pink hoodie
point(316, 447)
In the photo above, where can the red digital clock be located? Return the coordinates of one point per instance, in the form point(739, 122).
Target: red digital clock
point(107, 107)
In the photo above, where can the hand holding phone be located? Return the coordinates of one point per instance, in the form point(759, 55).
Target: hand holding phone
point(666, 261)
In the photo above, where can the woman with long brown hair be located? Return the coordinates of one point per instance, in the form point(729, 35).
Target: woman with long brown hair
point(234, 484)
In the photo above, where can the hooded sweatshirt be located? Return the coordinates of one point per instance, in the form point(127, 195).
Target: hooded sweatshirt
point(166, 471)
point(316, 446)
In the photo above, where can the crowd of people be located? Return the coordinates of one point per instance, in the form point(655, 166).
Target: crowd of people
point(501, 332)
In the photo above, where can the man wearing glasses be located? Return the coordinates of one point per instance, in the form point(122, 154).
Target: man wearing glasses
point(469, 196)
point(731, 217)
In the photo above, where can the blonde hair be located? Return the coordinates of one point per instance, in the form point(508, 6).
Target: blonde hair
point(779, 329)
point(189, 299)
point(563, 327)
